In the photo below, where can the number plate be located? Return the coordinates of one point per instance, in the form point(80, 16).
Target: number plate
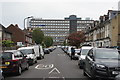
point(3, 67)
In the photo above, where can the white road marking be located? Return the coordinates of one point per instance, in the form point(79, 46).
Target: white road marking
point(57, 77)
point(53, 70)
point(53, 77)
point(61, 54)
point(41, 66)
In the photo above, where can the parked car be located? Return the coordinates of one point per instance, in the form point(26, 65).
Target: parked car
point(83, 52)
point(69, 50)
point(13, 61)
point(117, 77)
point(30, 52)
point(77, 54)
point(102, 63)
point(1, 75)
point(46, 51)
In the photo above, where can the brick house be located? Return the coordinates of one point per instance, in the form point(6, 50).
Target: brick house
point(19, 36)
point(5, 34)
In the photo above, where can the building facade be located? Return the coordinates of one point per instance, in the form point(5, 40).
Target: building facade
point(19, 36)
point(5, 34)
point(107, 32)
point(59, 29)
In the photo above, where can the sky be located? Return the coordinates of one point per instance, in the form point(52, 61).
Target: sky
point(14, 11)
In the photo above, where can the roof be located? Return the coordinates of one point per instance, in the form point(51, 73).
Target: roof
point(25, 48)
point(105, 48)
point(86, 47)
point(10, 50)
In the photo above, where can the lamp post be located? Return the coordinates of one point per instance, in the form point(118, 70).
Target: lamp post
point(25, 19)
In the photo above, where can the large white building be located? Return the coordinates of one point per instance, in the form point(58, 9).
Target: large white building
point(59, 29)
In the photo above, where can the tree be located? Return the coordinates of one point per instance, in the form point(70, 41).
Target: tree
point(75, 39)
point(7, 43)
point(48, 41)
point(38, 35)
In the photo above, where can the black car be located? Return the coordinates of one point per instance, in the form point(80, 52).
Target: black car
point(46, 51)
point(102, 63)
point(13, 61)
point(117, 77)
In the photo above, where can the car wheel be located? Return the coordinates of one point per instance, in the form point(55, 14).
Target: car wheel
point(80, 67)
point(43, 57)
point(19, 71)
point(36, 61)
point(84, 73)
point(27, 67)
point(3, 78)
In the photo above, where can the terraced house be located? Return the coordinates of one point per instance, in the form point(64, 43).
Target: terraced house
point(106, 32)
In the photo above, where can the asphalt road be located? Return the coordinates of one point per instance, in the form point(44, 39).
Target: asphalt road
point(56, 65)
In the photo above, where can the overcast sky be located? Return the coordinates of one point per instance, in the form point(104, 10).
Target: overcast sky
point(14, 12)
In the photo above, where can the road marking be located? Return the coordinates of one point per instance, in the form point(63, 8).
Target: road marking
point(61, 54)
point(42, 66)
point(57, 77)
point(54, 70)
point(53, 77)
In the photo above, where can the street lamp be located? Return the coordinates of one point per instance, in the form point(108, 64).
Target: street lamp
point(25, 19)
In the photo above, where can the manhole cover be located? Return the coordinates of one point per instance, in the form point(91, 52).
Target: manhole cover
point(44, 66)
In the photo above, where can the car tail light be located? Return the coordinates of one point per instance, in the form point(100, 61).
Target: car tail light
point(15, 60)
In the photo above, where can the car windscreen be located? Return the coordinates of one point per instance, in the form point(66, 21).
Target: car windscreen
point(6, 56)
point(84, 51)
point(105, 53)
point(27, 51)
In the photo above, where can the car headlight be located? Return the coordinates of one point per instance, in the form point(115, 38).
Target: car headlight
point(100, 66)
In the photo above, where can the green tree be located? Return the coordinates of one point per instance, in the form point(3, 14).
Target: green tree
point(48, 41)
point(7, 43)
point(38, 35)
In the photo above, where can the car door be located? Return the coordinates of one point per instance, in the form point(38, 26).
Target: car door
point(22, 59)
point(89, 61)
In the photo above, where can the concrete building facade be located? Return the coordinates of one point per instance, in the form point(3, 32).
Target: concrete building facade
point(59, 29)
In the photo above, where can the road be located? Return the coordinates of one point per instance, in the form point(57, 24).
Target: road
point(56, 65)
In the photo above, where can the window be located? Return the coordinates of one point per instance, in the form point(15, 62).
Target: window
point(18, 54)
point(90, 53)
point(6, 55)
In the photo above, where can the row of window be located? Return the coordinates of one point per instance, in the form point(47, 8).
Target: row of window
point(55, 29)
point(50, 21)
point(85, 21)
point(56, 34)
point(46, 24)
point(54, 26)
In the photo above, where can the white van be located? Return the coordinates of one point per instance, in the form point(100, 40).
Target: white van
point(39, 51)
point(31, 54)
point(83, 52)
point(69, 50)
